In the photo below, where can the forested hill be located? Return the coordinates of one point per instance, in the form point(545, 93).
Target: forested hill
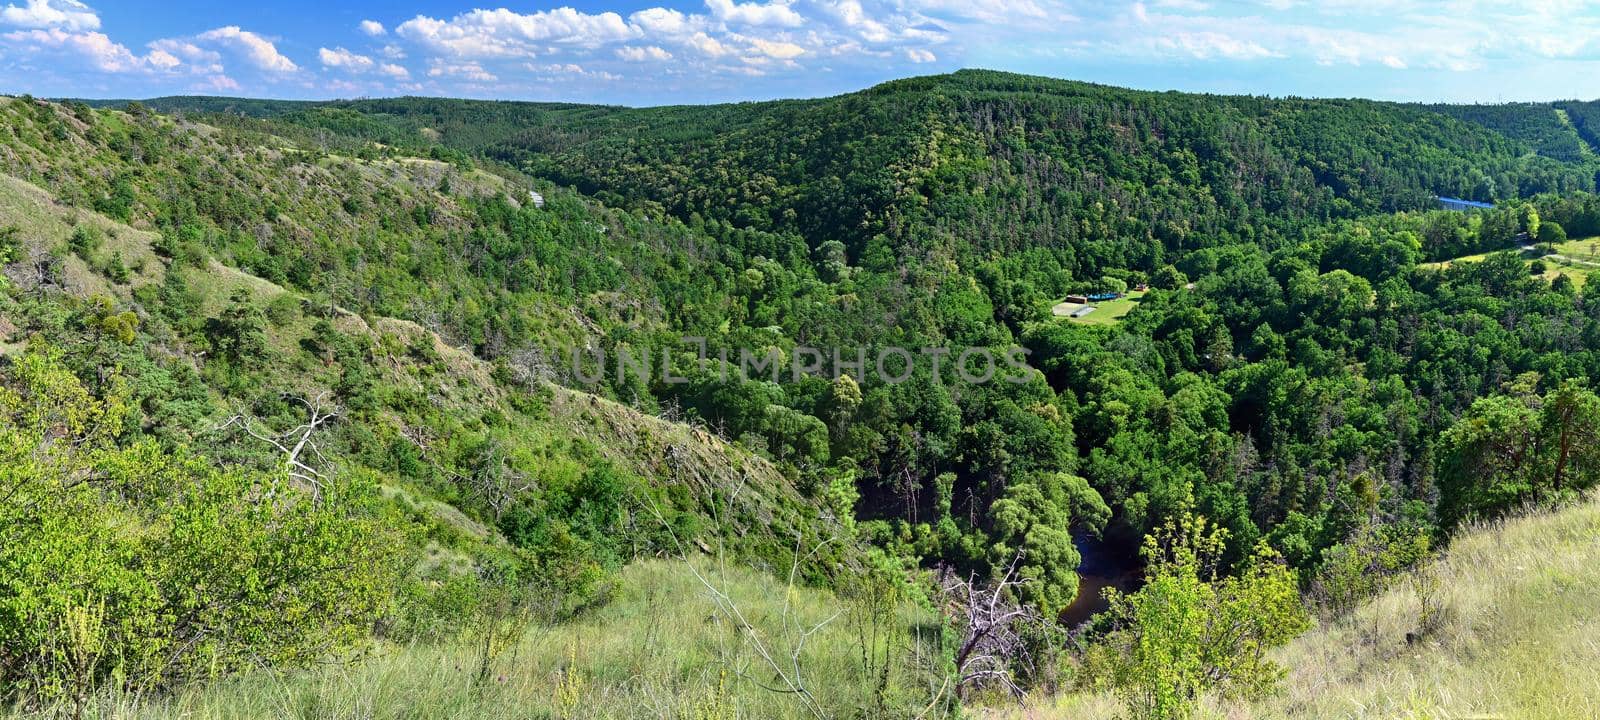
point(1120, 178)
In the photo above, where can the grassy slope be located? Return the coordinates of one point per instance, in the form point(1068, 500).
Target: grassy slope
point(661, 648)
point(738, 493)
point(1519, 637)
point(1575, 263)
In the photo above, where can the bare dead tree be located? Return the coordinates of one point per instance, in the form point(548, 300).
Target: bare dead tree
point(990, 623)
point(494, 479)
point(421, 436)
point(530, 367)
point(296, 444)
point(36, 272)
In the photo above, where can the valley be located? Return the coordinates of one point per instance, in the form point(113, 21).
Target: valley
point(297, 393)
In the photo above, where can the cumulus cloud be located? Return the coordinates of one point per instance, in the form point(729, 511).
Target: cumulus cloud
point(260, 51)
point(643, 54)
point(664, 21)
point(344, 59)
point(464, 70)
point(773, 13)
point(197, 58)
point(776, 49)
point(570, 71)
point(854, 17)
point(707, 45)
point(1207, 45)
point(93, 48)
point(215, 84)
point(504, 34)
point(718, 41)
point(64, 14)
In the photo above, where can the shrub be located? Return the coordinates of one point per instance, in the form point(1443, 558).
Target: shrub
point(176, 570)
point(1188, 632)
point(86, 241)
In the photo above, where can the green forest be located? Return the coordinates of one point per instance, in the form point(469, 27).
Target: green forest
point(285, 387)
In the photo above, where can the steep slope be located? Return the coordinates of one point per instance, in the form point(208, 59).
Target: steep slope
point(453, 439)
point(1540, 125)
point(1504, 625)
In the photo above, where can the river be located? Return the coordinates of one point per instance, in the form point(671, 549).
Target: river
point(1102, 566)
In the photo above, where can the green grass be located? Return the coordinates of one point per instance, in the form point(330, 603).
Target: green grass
point(1109, 312)
point(661, 648)
point(1577, 253)
point(1442, 264)
point(1587, 249)
point(1519, 637)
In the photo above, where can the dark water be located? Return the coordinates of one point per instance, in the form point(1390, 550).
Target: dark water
point(1102, 566)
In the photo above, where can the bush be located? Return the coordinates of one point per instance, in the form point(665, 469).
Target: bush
point(1187, 632)
point(86, 241)
point(178, 570)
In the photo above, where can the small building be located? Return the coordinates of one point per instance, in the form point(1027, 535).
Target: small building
point(1450, 203)
point(1097, 297)
point(1080, 312)
point(1079, 299)
point(1142, 287)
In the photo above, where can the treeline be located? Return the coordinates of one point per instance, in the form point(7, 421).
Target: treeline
point(1539, 125)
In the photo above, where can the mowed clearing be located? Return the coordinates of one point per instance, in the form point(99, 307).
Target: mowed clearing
point(1106, 312)
point(1576, 259)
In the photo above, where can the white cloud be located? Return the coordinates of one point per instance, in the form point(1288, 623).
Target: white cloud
point(216, 83)
point(372, 28)
point(162, 60)
point(707, 45)
point(774, 13)
point(570, 70)
point(465, 70)
point(503, 33)
point(664, 21)
point(344, 59)
point(918, 55)
point(257, 49)
point(199, 59)
point(394, 71)
point(92, 48)
point(776, 49)
point(643, 54)
point(1206, 45)
point(67, 14)
point(853, 16)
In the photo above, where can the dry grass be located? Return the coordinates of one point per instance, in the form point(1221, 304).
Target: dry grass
point(1518, 638)
point(661, 649)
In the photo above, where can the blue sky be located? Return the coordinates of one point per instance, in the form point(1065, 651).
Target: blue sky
point(646, 52)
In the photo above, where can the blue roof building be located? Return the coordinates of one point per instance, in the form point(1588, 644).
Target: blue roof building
point(1450, 203)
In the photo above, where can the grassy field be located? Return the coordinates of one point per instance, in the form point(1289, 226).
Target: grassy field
point(1573, 263)
point(1109, 312)
point(1586, 249)
point(1442, 264)
point(1518, 638)
point(664, 647)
